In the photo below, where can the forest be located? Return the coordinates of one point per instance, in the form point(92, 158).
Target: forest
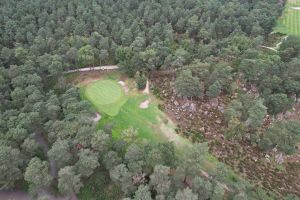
point(194, 53)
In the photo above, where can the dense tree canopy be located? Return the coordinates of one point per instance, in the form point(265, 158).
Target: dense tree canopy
point(45, 139)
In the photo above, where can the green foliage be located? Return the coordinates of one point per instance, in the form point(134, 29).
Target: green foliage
point(68, 181)
point(214, 90)
point(278, 103)
point(283, 135)
point(141, 80)
point(256, 115)
point(87, 163)
point(37, 174)
point(11, 162)
point(187, 85)
point(186, 194)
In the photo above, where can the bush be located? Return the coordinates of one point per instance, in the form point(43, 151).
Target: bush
point(141, 80)
point(283, 135)
point(214, 90)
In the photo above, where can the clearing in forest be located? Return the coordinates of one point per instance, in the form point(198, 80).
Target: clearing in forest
point(122, 105)
point(289, 22)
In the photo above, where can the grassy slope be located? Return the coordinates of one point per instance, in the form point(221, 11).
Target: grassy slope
point(289, 22)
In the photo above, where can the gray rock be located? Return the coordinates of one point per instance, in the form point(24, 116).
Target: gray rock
point(279, 158)
point(214, 102)
point(218, 121)
point(192, 107)
point(176, 103)
point(184, 106)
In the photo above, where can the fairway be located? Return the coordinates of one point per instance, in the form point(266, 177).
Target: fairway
point(106, 95)
point(289, 22)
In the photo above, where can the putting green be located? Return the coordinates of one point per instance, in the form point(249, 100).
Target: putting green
point(106, 95)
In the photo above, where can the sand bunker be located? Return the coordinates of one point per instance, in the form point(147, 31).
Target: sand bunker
point(123, 84)
point(144, 104)
point(97, 118)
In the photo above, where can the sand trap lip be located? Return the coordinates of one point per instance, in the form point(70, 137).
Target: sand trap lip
point(295, 8)
point(144, 104)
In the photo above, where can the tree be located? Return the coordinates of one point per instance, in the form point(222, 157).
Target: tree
point(111, 159)
point(101, 142)
point(160, 179)
point(218, 193)
point(283, 135)
point(140, 80)
point(129, 135)
point(142, 193)
point(11, 163)
point(85, 55)
point(190, 164)
point(126, 37)
point(290, 48)
point(60, 153)
point(257, 114)
point(37, 174)
point(68, 181)
point(186, 194)
point(187, 85)
point(277, 103)
point(121, 175)
point(202, 187)
point(214, 90)
point(87, 163)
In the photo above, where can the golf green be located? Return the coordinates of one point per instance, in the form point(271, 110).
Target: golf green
point(106, 95)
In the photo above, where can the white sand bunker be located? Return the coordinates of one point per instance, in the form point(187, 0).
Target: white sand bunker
point(295, 8)
point(97, 118)
point(123, 84)
point(145, 104)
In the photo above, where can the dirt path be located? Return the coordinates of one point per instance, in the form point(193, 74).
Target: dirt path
point(53, 172)
point(270, 48)
point(295, 8)
point(88, 69)
point(42, 142)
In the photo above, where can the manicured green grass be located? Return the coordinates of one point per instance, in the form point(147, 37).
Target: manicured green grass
point(146, 121)
point(289, 22)
point(106, 95)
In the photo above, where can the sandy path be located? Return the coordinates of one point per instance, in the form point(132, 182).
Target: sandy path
point(87, 69)
point(295, 8)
